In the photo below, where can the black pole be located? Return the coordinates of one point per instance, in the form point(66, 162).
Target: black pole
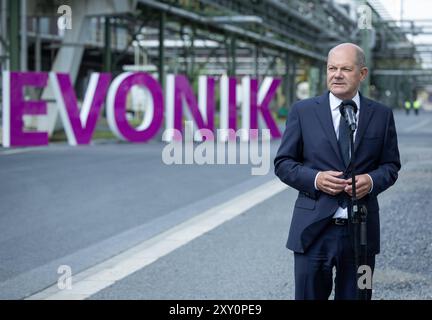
point(107, 57)
point(161, 63)
point(358, 219)
point(14, 36)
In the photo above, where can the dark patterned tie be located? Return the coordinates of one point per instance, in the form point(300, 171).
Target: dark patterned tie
point(344, 146)
point(344, 141)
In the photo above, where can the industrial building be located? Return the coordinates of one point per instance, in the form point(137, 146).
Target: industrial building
point(280, 38)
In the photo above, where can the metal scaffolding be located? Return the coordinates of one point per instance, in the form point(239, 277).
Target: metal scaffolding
point(284, 38)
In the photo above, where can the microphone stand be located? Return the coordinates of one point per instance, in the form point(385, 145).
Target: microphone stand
point(358, 219)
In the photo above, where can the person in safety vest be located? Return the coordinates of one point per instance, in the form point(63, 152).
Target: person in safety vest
point(407, 106)
point(417, 106)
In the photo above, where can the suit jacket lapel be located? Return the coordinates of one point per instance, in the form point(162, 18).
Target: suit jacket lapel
point(324, 115)
point(366, 111)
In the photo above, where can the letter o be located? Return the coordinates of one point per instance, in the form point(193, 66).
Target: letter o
point(116, 106)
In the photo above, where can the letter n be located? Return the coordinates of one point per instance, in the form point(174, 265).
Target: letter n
point(179, 94)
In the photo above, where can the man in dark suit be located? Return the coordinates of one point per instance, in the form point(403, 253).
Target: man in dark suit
point(314, 158)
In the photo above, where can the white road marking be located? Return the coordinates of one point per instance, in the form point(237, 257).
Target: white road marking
point(98, 277)
point(15, 151)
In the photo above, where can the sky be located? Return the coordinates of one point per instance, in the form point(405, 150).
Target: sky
point(412, 9)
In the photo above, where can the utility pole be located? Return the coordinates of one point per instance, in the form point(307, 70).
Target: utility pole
point(366, 29)
point(23, 27)
point(14, 41)
point(107, 45)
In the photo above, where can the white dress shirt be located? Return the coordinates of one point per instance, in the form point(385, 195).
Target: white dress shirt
point(334, 104)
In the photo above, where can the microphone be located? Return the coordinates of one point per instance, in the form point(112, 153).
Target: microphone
point(348, 110)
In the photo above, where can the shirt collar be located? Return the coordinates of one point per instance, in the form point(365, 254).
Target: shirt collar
point(335, 101)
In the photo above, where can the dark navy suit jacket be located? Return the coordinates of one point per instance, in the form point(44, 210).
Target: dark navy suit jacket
point(309, 145)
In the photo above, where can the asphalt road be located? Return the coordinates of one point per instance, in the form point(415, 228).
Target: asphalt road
point(62, 205)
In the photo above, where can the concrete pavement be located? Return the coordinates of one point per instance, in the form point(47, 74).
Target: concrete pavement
point(82, 206)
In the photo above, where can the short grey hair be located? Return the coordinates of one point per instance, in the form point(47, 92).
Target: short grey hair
point(360, 56)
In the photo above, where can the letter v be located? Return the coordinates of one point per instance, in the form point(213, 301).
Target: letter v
point(79, 126)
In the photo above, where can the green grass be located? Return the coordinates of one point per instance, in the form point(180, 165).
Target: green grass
point(60, 136)
point(103, 132)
